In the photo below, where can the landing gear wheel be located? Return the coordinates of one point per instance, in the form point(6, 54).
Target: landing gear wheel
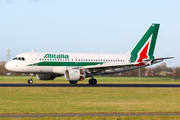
point(92, 81)
point(30, 81)
point(73, 82)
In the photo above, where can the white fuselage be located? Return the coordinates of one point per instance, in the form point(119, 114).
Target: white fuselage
point(39, 62)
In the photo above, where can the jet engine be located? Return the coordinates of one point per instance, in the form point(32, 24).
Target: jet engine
point(46, 76)
point(74, 74)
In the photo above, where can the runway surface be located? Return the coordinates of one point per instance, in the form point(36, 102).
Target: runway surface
point(87, 85)
point(61, 115)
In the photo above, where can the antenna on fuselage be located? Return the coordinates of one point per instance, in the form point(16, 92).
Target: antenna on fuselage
point(32, 50)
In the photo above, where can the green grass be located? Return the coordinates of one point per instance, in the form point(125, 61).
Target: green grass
point(40, 100)
point(163, 117)
point(54, 100)
point(108, 80)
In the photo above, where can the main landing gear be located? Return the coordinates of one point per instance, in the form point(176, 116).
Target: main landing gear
point(73, 82)
point(30, 81)
point(92, 81)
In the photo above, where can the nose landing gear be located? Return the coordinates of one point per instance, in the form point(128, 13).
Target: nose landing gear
point(30, 81)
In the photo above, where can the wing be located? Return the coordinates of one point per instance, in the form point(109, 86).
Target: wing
point(113, 66)
point(97, 68)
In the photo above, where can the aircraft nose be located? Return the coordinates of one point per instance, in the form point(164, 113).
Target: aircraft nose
point(8, 66)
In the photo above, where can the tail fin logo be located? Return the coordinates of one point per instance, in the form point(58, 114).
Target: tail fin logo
point(144, 51)
point(145, 47)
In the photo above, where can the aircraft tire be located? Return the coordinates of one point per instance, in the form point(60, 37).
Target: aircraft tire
point(73, 82)
point(92, 81)
point(30, 81)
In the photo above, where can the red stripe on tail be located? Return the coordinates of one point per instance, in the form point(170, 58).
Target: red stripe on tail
point(143, 55)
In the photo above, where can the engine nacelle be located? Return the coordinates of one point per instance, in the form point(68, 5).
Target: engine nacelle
point(74, 74)
point(46, 76)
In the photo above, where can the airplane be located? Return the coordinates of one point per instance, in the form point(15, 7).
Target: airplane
point(78, 66)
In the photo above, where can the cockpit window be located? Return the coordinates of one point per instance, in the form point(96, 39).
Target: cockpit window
point(19, 58)
point(15, 58)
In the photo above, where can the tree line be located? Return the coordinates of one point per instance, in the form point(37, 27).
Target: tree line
point(157, 70)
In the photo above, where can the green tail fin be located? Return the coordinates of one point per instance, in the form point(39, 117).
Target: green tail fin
point(145, 47)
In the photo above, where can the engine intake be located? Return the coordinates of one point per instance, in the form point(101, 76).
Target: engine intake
point(74, 74)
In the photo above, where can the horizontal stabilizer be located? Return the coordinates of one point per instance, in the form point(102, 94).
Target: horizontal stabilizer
point(150, 61)
point(146, 60)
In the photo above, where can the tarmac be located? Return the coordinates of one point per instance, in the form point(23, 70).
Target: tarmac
point(87, 85)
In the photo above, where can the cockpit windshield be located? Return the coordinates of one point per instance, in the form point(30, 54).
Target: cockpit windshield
point(19, 58)
point(15, 58)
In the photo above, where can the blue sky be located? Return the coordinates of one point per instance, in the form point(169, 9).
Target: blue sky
point(89, 26)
